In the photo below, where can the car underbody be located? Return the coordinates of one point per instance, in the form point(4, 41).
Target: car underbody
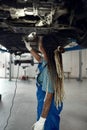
point(18, 18)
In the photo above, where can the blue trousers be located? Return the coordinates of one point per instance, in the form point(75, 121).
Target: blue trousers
point(53, 119)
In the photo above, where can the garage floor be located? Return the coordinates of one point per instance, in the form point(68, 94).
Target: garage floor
point(73, 117)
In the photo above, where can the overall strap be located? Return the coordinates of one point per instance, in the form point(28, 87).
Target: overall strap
point(42, 69)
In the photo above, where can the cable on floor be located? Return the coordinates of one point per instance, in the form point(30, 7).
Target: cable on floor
point(15, 91)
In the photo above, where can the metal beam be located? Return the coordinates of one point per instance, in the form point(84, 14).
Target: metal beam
point(74, 48)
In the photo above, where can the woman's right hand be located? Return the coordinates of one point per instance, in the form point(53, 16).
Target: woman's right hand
point(27, 44)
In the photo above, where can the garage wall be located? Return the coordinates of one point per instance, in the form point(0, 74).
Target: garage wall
point(29, 71)
point(4, 64)
point(70, 63)
point(84, 67)
point(4, 67)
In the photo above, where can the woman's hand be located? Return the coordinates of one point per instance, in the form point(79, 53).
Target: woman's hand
point(39, 125)
point(27, 44)
point(33, 52)
point(30, 37)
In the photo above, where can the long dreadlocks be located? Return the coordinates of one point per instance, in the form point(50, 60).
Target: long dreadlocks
point(55, 65)
point(59, 86)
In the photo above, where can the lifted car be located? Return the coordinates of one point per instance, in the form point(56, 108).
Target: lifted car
point(66, 18)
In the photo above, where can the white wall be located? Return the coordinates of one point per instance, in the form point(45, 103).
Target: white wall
point(84, 67)
point(70, 63)
point(4, 65)
point(30, 70)
point(4, 59)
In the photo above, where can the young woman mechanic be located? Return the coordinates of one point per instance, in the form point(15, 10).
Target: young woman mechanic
point(49, 83)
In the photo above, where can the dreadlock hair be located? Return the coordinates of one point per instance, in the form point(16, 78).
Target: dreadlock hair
point(55, 65)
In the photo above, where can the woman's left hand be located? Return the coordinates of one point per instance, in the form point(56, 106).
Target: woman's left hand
point(39, 125)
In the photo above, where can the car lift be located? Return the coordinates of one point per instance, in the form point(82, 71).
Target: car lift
point(0, 97)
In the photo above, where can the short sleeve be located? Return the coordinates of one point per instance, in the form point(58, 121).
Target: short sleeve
point(50, 85)
point(47, 84)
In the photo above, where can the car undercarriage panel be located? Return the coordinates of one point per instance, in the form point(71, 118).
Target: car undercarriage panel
point(66, 18)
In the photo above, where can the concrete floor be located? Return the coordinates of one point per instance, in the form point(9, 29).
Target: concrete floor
point(73, 116)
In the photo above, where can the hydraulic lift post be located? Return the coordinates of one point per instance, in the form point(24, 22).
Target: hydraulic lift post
point(0, 97)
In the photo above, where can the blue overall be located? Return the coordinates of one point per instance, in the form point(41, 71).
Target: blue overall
point(53, 119)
